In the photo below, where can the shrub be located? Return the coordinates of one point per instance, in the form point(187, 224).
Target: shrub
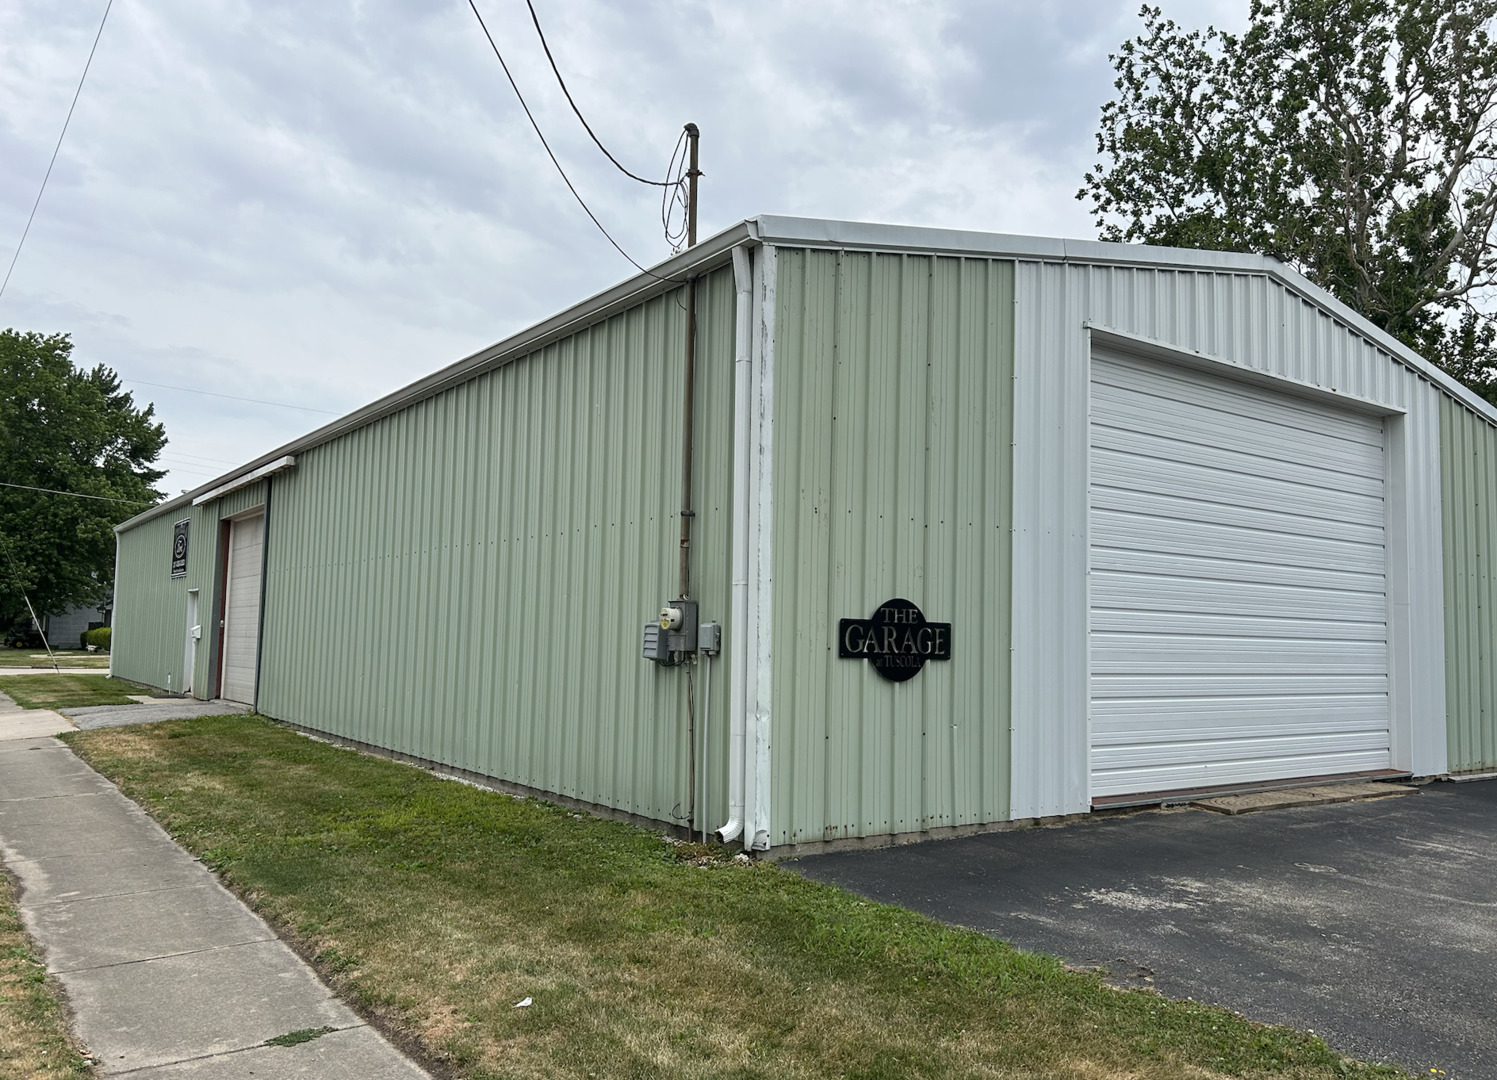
point(98, 638)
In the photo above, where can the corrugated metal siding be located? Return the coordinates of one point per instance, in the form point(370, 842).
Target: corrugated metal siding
point(150, 620)
point(150, 616)
point(1469, 469)
point(1251, 321)
point(236, 502)
point(893, 436)
point(466, 580)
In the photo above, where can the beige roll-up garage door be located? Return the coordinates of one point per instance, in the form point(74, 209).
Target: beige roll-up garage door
point(242, 609)
point(1237, 583)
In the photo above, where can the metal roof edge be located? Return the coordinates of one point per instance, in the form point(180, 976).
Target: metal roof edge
point(777, 229)
point(856, 235)
point(818, 232)
point(1308, 290)
point(705, 256)
point(244, 481)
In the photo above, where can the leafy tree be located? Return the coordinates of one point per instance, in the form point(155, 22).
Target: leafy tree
point(1352, 139)
point(70, 430)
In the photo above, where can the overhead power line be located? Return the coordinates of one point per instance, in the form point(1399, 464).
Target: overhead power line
point(74, 494)
point(174, 466)
point(197, 459)
point(27, 230)
point(676, 196)
point(551, 154)
point(588, 127)
point(231, 397)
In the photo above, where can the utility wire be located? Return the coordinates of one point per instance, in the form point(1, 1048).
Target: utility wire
point(26, 231)
point(16, 573)
point(593, 135)
point(197, 459)
point(675, 195)
point(549, 153)
point(75, 494)
point(231, 397)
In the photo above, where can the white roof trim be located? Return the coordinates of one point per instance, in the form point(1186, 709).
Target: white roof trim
point(707, 255)
point(246, 480)
point(775, 229)
point(1121, 341)
point(814, 232)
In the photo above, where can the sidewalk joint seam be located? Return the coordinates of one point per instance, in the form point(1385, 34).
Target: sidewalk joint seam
point(165, 956)
point(48, 798)
point(225, 1053)
point(105, 851)
point(127, 892)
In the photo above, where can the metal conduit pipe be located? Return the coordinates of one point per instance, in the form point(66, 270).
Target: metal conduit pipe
point(738, 636)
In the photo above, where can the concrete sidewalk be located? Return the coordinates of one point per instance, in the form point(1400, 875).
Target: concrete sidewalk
point(148, 712)
point(167, 973)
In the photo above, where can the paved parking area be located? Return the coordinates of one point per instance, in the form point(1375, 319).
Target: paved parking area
point(1373, 924)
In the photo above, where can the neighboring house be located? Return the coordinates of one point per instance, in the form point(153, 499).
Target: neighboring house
point(996, 528)
point(65, 630)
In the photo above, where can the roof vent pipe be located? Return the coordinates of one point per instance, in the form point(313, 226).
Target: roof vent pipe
point(738, 635)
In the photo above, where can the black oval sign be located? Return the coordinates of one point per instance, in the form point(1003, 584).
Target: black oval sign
point(897, 641)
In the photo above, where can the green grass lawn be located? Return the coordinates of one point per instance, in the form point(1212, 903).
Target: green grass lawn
point(64, 691)
point(437, 907)
point(35, 1043)
point(66, 658)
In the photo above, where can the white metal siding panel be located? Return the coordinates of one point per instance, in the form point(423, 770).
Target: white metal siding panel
point(1048, 691)
point(1238, 583)
point(242, 609)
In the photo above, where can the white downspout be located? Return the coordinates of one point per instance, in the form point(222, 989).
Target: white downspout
point(738, 631)
point(761, 532)
point(114, 607)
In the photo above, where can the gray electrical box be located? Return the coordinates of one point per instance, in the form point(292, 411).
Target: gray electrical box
point(710, 638)
point(656, 646)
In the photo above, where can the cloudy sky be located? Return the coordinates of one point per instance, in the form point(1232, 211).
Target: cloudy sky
point(313, 204)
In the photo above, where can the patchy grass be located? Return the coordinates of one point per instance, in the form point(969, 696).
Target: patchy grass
point(66, 658)
point(438, 907)
point(299, 1036)
point(35, 1043)
point(68, 691)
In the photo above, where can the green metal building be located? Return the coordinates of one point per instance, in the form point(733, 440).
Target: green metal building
point(995, 528)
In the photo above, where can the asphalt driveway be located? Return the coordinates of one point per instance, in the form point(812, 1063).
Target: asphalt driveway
point(1372, 924)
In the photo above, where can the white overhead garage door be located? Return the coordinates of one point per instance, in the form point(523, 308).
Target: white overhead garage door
point(1237, 582)
point(242, 609)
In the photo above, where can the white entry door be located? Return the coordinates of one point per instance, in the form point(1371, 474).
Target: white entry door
point(190, 647)
point(1237, 581)
point(242, 609)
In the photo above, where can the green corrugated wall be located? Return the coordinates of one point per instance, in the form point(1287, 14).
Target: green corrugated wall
point(149, 642)
point(1468, 472)
point(893, 421)
point(466, 580)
